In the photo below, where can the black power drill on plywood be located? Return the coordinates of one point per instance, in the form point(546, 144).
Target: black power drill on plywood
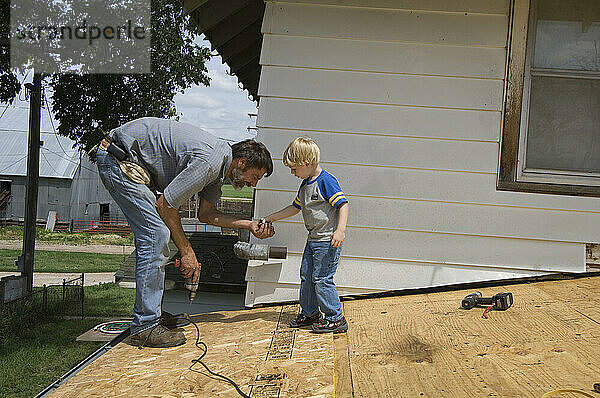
point(499, 301)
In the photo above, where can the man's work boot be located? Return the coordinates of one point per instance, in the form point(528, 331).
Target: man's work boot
point(157, 337)
point(173, 321)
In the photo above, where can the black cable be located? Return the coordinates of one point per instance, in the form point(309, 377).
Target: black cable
point(51, 121)
point(49, 164)
point(5, 108)
point(199, 360)
point(201, 345)
point(69, 160)
point(221, 266)
point(12, 164)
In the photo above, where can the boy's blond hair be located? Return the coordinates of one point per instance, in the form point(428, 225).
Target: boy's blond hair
point(302, 151)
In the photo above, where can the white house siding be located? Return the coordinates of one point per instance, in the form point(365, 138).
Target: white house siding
point(405, 101)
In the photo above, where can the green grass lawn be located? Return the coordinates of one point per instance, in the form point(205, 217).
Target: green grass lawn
point(107, 300)
point(227, 191)
point(35, 349)
point(51, 261)
point(32, 358)
point(67, 238)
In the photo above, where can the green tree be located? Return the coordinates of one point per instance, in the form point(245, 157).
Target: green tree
point(81, 103)
point(9, 84)
point(85, 103)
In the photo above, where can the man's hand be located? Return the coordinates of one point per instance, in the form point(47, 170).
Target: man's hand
point(262, 229)
point(337, 238)
point(189, 266)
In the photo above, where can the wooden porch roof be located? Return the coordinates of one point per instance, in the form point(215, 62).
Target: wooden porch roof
point(233, 28)
point(420, 345)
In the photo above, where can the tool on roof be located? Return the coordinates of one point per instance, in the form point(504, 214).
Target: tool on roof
point(189, 283)
point(253, 251)
point(499, 301)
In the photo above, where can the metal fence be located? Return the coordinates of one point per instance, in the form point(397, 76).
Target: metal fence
point(59, 226)
point(119, 227)
point(46, 301)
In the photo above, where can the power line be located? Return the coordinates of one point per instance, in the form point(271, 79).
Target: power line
point(52, 122)
point(69, 160)
point(12, 164)
point(49, 164)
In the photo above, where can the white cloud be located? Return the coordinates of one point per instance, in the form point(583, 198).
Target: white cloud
point(222, 108)
point(219, 77)
point(193, 99)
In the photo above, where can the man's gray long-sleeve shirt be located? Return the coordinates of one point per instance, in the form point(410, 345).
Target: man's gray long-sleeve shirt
point(182, 159)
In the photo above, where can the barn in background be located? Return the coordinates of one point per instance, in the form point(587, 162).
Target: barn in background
point(69, 183)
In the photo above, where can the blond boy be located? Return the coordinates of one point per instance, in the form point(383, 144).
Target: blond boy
point(325, 211)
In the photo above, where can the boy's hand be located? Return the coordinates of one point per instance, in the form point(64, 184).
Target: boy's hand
point(262, 229)
point(337, 238)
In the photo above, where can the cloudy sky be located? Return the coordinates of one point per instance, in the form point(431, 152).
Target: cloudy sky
point(222, 108)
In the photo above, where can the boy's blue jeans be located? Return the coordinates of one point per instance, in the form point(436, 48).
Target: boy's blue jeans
point(151, 240)
point(317, 290)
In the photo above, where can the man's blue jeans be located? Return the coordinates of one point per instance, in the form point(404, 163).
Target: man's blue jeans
point(317, 290)
point(151, 240)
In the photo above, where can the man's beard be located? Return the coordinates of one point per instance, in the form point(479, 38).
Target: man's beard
point(237, 179)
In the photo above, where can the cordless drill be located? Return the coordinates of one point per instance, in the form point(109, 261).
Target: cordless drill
point(189, 283)
point(499, 301)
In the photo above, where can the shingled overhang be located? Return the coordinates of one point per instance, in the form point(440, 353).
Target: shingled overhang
point(233, 28)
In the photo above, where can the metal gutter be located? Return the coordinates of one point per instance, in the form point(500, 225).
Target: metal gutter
point(91, 358)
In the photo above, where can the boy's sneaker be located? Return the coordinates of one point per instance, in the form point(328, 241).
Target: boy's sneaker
point(303, 320)
point(157, 337)
point(171, 321)
point(325, 326)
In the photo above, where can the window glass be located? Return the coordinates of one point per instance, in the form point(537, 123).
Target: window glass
point(564, 124)
point(567, 45)
point(563, 129)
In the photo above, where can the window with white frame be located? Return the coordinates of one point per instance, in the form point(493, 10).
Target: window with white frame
point(560, 119)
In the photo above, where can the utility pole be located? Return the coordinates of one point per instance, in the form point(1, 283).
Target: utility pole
point(32, 180)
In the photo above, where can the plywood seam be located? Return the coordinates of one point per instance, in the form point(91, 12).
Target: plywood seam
point(382, 72)
point(381, 103)
point(445, 232)
point(267, 127)
point(399, 10)
point(447, 201)
point(398, 167)
point(345, 357)
point(388, 41)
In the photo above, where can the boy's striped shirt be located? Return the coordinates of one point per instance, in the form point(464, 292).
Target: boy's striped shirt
point(319, 201)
